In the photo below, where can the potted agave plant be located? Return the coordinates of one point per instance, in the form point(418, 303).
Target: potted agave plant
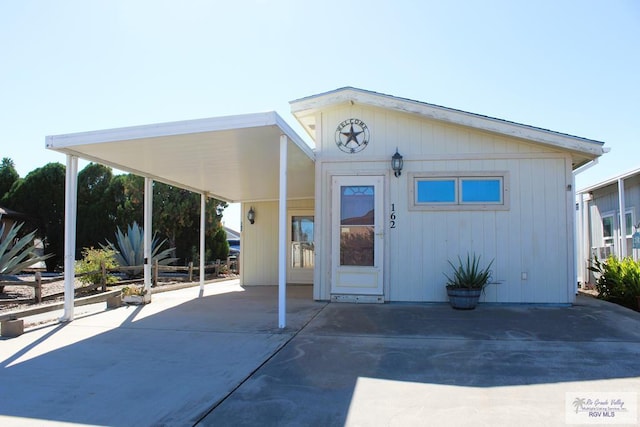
point(467, 282)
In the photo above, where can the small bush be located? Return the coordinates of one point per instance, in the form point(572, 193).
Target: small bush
point(91, 262)
point(133, 290)
point(617, 280)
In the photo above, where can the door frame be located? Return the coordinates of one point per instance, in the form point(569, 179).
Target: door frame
point(294, 276)
point(373, 274)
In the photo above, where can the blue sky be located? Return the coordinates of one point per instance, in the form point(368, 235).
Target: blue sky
point(70, 66)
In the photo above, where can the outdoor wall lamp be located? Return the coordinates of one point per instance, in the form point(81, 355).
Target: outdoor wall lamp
point(396, 163)
point(251, 215)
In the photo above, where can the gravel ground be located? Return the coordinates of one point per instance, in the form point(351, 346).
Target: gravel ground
point(17, 297)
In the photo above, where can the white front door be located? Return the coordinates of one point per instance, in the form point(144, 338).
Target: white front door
point(357, 235)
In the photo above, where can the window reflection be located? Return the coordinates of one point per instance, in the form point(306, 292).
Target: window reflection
point(357, 225)
point(302, 248)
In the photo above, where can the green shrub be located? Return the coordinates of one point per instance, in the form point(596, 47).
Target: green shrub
point(92, 260)
point(617, 280)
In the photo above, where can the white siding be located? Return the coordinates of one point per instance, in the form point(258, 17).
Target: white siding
point(605, 202)
point(259, 244)
point(532, 237)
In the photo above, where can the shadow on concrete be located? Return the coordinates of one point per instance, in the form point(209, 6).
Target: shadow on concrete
point(219, 359)
point(160, 364)
point(313, 380)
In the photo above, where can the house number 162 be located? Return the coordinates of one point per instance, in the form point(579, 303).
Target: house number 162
point(392, 216)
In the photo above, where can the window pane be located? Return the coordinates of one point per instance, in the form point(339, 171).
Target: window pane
point(629, 221)
point(481, 190)
point(302, 229)
point(607, 227)
point(357, 205)
point(436, 191)
point(302, 248)
point(356, 245)
point(357, 209)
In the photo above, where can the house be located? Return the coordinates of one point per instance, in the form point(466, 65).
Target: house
point(600, 211)
point(341, 218)
point(233, 240)
point(9, 217)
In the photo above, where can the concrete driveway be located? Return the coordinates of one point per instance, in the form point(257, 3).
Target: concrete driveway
point(219, 359)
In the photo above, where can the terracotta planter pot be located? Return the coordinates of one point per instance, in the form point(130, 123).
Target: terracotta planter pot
point(463, 299)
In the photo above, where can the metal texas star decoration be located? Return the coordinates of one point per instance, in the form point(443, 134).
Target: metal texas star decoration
point(355, 138)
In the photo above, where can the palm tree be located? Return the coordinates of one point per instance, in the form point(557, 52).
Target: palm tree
point(579, 403)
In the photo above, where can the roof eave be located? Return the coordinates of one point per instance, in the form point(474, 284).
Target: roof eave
point(304, 107)
point(609, 181)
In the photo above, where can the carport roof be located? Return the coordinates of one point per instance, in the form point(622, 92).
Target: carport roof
point(233, 158)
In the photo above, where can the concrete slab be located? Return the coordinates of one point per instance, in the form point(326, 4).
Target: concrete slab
point(404, 364)
point(165, 363)
point(219, 359)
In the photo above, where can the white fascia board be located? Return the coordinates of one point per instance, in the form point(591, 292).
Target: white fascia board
point(294, 137)
point(305, 106)
point(609, 181)
point(163, 129)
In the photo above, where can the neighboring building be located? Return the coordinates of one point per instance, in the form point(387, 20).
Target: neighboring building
point(233, 239)
point(340, 218)
point(8, 218)
point(598, 212)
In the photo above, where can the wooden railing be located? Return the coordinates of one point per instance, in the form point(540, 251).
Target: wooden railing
point(38, 281)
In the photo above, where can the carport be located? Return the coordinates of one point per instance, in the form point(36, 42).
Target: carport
point(243, 158)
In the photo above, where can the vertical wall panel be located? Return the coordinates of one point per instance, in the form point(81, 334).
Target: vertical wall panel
point(531, 237)
point(260, 242)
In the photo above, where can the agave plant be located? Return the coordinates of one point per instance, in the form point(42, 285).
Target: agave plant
point(129, 249)
point(469, 274)
point(15, 257)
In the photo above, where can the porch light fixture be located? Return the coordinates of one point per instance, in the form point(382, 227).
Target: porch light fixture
point(396, 163)
point(251, 215)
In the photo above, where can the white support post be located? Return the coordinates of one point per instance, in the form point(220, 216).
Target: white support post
point(70, 215)
point(203, 204)
point(579, 227)
point(622, 221)
point(576, 236)
point(586, 233)
point(282, 235)
point(148, 224)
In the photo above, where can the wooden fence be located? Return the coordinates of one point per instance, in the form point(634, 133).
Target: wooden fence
point(156, 270)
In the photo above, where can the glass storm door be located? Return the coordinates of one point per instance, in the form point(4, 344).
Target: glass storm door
point(301, 247)
point(357, 235)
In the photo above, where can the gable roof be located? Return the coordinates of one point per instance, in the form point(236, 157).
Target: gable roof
point(231, 234)
point(583, 150)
